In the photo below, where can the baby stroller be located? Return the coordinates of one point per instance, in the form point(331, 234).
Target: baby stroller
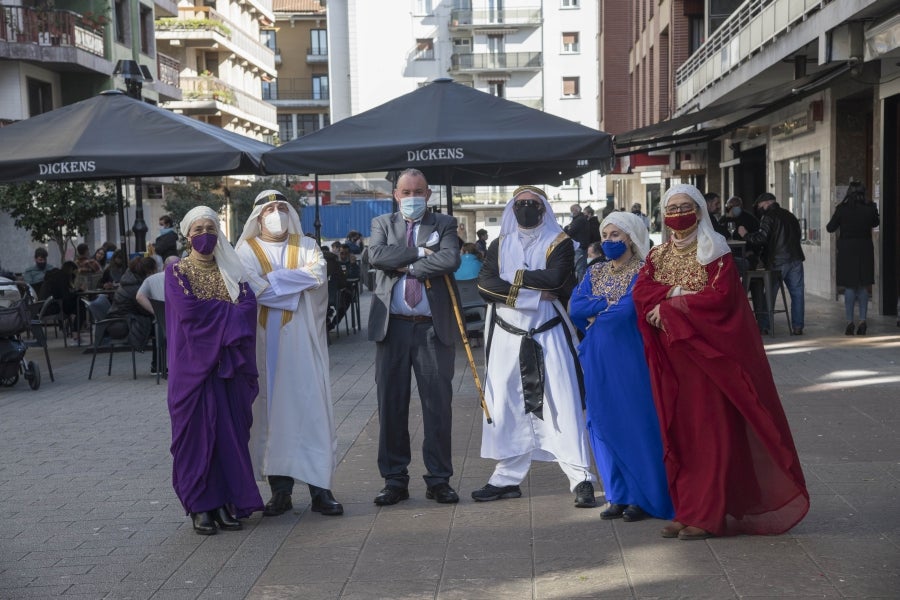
point(15, 319)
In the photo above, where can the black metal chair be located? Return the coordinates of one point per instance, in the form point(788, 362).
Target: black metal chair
point(55, 317)
point(159, 325)
point(38, 331)
point(473, 308)
point(98, 308)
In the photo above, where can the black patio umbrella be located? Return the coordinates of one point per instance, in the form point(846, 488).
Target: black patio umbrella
point(455, 135)
point(113, 136)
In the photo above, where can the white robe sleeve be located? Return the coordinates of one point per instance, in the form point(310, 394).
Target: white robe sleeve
point(528, 299)
point(286, 285)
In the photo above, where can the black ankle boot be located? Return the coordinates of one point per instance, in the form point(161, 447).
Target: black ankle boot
point(224, 520)
point(279, 504)
point(203, 523)
point(323, 501)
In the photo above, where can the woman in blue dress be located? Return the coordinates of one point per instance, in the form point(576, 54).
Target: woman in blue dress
point(621, 416)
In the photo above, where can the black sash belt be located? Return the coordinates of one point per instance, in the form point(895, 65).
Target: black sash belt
point(531, 363)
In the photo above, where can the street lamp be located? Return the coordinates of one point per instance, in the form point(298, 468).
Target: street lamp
point(135, 75)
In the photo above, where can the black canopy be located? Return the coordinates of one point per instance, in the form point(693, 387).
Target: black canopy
point(112, 136)
point(454, 134)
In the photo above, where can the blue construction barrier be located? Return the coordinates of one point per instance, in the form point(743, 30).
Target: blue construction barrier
point(338, 219)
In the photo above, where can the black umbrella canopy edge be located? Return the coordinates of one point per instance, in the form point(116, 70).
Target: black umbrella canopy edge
point(342, 146)
point(134, 139)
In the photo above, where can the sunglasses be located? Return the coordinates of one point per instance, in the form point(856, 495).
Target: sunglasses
point(529, 202)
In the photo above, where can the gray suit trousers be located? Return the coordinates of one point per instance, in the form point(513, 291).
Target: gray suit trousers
point(413, 347)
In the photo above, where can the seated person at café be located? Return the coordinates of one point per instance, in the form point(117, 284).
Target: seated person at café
point(125, 305)
point(34, 275)
point(84, 261)
point(100, 256)
point(114, 271)
point(354, 242)
point(60, 285)
point(470, 261)
point(344, 288)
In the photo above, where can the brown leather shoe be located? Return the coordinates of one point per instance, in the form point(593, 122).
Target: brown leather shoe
point(671, 530)
point(693, 533)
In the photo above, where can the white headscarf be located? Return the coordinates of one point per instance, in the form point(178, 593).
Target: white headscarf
point(710, 245)
point(263, 199)
point(634, 226)
point(513, 239)
point(226, 258)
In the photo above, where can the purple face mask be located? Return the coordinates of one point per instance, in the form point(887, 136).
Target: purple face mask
point(204, 243)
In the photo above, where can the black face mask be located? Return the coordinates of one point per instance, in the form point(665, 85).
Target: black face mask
point(528, 215)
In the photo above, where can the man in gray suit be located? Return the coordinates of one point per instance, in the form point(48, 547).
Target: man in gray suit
point(412, 324)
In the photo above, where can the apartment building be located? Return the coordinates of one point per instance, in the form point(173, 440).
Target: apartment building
point(793, 97)
point(223, 63)
point(540, 53)
point(301, 92)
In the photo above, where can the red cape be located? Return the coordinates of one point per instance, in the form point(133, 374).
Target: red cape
point(729, 454)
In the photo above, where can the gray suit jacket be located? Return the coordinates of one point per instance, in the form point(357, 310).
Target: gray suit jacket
point(388, 252)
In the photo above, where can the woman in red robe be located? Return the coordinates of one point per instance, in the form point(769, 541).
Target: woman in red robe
point(729, 454)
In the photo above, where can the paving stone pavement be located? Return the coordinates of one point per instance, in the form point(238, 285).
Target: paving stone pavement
point(89, 512)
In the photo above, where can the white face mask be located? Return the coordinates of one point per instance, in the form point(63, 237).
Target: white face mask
point(276, 222)
point(413, 207)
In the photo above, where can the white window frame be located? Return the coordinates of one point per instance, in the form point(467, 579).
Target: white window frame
point(572, 48)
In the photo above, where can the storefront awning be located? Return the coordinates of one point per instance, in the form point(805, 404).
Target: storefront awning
point(713, 121)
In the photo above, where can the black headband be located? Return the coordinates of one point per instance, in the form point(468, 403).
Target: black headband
point(273, 197)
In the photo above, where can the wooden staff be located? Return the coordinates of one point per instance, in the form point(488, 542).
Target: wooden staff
point(465, 341)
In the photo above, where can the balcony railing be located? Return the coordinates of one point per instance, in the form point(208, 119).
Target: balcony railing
point(206, 88)
point(490, 62)
point(498, 17)
point(536, 102)
point(194, 20)
point(62, 28)
point(754, 24)
point(169, 69)
point(294, 89)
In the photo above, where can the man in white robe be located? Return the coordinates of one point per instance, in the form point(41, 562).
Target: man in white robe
point(533, 383)
point(293, 434)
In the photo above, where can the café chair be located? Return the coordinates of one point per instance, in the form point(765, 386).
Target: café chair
point(772, 283)
point(473, 308)
point(159, 325)
point(98, 308)
point(38, 331)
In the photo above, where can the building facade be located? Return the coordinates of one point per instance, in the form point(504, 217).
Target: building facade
point(790, 97)
point(541, 54)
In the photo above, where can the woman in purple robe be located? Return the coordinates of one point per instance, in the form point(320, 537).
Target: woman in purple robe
point(211, 335)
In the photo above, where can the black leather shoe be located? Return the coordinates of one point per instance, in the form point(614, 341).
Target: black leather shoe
point(613, 511)
point(224, 519)
point(279, 504)
point(323, 501)
point(391, 495)
point(861, 330)
point(442, 493)
point(850, 328)
point(203, 524)
point(798, 331)
point(584, 495)
point(492, 492)
point(634, 513)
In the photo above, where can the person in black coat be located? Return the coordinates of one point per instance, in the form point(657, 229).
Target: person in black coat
point(853, 219)
point(126, 306)
point(166, 243)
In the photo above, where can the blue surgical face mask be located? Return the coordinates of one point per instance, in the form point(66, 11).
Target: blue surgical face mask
point(613, 250)
point(412, 207)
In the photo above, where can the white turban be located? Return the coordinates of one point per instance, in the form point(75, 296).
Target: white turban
point(263, 199)
point(710, 245)
point(226, 258)
point(634, 226)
